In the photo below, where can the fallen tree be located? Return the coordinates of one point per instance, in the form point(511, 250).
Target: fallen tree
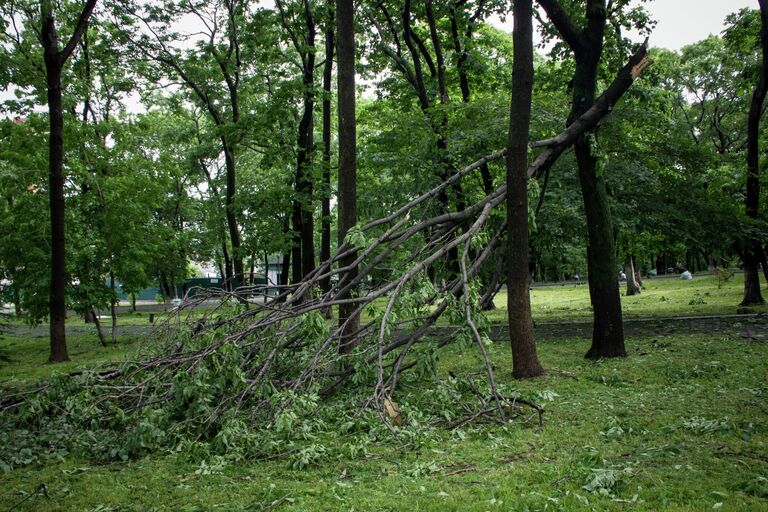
point(251, 357)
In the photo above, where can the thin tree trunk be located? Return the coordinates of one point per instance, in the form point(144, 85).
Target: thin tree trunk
point(227, 275)
point(222, 274)
point(347, 187)
point(325, 241)
point(486, 301)
point(638, 277)
point(286, 268)
point(54, 62)
point(166, 286)
point(525, 362)
point(633, 288)
point(99, 330)
point(296, 218)
point(252, 270)
point(763, 262)
point(607, 329)
point(267, 282)
point(286, 264)
point(497, 279)
point(163, 288)
point(234, 230)
point(304, 178)
point(112, 308)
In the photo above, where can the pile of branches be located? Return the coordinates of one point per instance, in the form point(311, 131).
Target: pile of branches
point(260, 352)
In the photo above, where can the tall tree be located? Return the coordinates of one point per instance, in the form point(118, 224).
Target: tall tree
point(345, 28)
point(55, 58)
point(213, 73)
point(752, 247)
point(325, 237)
point(301, 29)
point(586, 43)
point(525, 363)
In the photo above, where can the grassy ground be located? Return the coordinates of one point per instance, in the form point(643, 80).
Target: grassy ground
point(681, 424)
point(661, 298)
point(26, 357)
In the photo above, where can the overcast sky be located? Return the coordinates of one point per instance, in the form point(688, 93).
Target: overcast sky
point(682, 22)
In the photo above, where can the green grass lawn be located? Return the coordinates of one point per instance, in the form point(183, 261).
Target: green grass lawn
point(681, 424)
point(661, 298)
point(28, 357)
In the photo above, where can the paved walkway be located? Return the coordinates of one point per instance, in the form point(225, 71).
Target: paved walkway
point(751, 326)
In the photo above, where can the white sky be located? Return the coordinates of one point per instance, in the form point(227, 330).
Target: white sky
point(680, 22)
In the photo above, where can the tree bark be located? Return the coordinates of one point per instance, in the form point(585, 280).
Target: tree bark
point(587, 46)
point(99, 330)
point(525, 362)
point(112, 304)
point(752, 293)
point(345, 28)
point(228, 271)
point(58, 311)
point(633, 287)
point(636, 269)
point(54, 63)
point(234, 230)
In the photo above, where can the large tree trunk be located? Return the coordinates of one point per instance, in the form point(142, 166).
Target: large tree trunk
point(587, 44)
point(58, 310)
point(752, 293)
point(607, 328)
point(306, 148)
point(525, 363)
point(345, 28)
point(54, 62)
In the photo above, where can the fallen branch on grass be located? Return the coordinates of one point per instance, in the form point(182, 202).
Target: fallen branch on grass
point(281, 347)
